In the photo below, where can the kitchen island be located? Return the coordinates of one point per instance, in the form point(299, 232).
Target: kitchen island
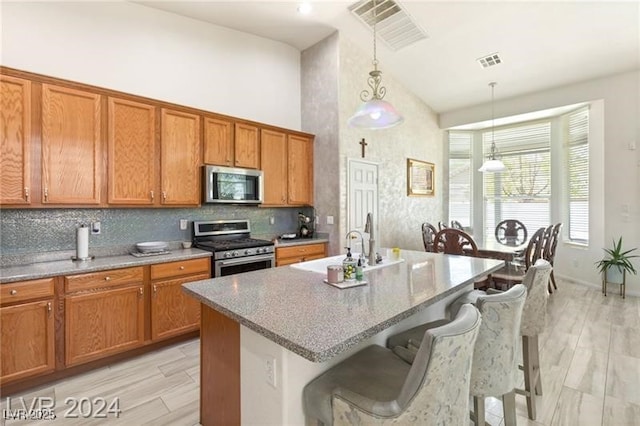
point(265, 334)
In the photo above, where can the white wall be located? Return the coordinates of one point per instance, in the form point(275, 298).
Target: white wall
point(614, 168)
point(147, 52)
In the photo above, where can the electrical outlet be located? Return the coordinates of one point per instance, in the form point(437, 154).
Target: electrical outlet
point(329, 220)
point(183, 224)
point(95, 228)
point(270, 371)
point(272, 220)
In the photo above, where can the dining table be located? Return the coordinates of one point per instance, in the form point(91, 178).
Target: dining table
point(490, 247)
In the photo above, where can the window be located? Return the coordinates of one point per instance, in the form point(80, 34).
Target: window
point(523, 191)
point(460, 177)
point(577, 176)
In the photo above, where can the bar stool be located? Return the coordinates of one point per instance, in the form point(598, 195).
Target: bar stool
point(376, 386)
point(495, 354)
point(532, 325)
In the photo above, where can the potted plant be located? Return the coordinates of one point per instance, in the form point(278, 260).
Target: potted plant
point(617, 263)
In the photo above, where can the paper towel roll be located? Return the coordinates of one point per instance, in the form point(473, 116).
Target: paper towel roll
point(82, 242)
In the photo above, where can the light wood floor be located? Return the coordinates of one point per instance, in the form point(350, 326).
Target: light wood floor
point(590, 361)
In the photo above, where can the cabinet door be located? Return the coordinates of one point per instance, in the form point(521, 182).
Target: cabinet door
point(27, 338)
point(102, 323)
point(15, 140)
point(132, 153)
point(180, 158)
point(218, 142)
point(173, 312)
point(247, 146)
point(71, 146)
point(300, 253)
point(300, 178)
point(273, 148)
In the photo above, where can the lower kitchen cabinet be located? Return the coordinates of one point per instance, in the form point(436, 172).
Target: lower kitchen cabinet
point(173, 312)
point(27, 329)
point(300, 253)
point(104, 314)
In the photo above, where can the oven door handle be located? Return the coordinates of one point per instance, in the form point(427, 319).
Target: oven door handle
point(245, 260)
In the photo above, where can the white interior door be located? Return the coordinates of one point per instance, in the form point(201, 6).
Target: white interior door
point(362, 199)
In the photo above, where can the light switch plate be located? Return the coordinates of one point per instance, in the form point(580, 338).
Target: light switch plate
point(329, 220)
point(183, 224)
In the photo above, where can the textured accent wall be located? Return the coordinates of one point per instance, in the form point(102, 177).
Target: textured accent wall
point(419, 137)
point(49, 234)
point(319, 76)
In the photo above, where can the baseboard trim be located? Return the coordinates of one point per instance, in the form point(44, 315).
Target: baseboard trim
point(592, 285)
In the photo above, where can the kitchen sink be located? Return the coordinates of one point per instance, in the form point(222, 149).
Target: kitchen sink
point(320, 265)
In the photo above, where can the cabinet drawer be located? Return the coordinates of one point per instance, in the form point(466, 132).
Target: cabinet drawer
point(182, 267)
point(104, 279)
point(303, 250)
point(26, 290)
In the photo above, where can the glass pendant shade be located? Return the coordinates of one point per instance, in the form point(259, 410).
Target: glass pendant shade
point(375, 114)
point(493, 165)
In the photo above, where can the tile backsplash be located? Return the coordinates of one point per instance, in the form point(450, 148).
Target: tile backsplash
point(49, 234)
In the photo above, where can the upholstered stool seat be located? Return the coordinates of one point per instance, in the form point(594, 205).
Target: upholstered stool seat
point(495, 353)
point(374, 386)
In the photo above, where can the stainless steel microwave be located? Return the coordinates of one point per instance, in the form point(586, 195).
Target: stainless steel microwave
point(232, 185)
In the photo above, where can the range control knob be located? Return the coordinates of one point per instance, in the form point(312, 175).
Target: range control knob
point(227, 254)
point(259, 250)
point(235, 253)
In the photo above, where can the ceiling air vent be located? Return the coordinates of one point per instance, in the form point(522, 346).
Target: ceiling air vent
point(489, 60)
point(394, 26)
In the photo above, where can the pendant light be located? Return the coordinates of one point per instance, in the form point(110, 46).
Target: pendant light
point(375, 113)
point(492, 165)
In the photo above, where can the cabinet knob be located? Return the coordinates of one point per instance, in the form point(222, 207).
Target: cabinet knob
point(152, 195)
point(13, 292)
point(46, 194)
point(141, 291)
point(26, 194)
point(164, 195)
point(107, 278)
point(155, 290)
point(182, 268)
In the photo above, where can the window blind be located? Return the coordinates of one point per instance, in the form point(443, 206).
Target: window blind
point(460, 177)
point(577, 157)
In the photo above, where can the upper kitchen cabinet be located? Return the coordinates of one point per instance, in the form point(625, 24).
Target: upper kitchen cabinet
point(287, 163)
point(71, 146)
point(300, 170)
point(15, 141)
point(132, 160)
point(274, 166)
point(180, 158)
point(218, 142)
point(247, 146)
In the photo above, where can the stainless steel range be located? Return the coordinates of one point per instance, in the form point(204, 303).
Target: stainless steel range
point(234, 250)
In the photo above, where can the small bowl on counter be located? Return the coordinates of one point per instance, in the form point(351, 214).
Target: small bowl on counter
point(151, 246)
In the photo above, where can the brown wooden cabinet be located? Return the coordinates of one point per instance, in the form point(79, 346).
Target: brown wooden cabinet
point(300, 253)
point(173, 312)
point(27, 329)
point(104, 314)
point(180, 158)
point(247, 146)
point(132, 159)
point(274, 166)
point(71, 146)
point(15, 141)
point(300, 177)
point(218, 142)
point(287, 162)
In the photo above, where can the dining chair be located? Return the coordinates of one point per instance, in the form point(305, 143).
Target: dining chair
point(532, 325)
point(454, 241)
point(375, 386)
point(514, 272)
point(511, 232)
point(442, 225)
point(495, 357)
point(457, 225)
point(428, 234)
point(549, 251)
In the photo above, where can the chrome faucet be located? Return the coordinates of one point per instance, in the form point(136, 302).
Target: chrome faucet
point(368, 228)
point(348, 236)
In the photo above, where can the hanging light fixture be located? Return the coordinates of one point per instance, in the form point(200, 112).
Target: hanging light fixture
point(492, 164)
point(375, 113)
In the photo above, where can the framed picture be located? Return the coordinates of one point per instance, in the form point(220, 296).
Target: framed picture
point(420, 178)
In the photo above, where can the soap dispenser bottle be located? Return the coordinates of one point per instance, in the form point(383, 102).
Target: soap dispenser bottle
point(349, 266)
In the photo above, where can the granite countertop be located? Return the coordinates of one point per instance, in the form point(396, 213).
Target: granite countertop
point(297, 310)
point(282, 242)
point(32, 271)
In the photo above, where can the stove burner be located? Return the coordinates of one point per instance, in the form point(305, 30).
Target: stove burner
point(232, 244)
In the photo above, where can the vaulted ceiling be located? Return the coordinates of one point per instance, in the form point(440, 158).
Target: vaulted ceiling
point(542, 44)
